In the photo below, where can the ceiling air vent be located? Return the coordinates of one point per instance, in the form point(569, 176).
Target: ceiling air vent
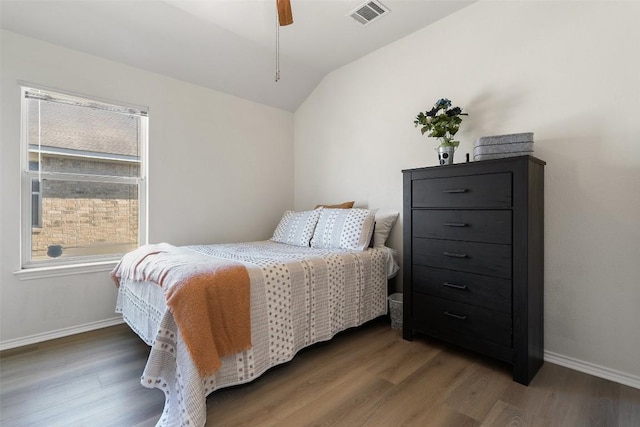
point(369, 12)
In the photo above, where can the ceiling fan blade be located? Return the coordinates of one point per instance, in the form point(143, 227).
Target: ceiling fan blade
point(285, 17)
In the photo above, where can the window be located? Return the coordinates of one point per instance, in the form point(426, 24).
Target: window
point(83, 183)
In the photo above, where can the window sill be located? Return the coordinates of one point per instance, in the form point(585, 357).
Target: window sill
point(64, 270)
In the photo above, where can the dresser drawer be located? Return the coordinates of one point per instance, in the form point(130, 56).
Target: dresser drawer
point(472, 226)
point(478, 191)
point(480, 258)
point(484, 291)
point(451, 318)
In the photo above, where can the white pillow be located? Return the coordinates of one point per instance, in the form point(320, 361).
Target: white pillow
point(296, 228)
point(344, 229)
point(384, 224)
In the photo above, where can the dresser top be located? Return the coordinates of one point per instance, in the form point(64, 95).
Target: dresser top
point(481, 162)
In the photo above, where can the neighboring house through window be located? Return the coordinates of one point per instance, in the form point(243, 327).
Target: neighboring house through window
point(36, 199)
point(84, 190)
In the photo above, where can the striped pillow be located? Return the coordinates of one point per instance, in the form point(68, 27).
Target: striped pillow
point(296, 228)
point(344, 229)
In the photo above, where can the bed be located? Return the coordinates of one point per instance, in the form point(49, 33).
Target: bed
point(302, 291)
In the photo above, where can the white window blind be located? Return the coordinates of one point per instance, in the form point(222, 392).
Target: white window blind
point(84, 187)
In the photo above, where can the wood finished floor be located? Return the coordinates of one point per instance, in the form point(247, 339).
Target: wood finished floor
point(364, 377)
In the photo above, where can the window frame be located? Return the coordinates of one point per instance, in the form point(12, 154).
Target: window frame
point(27, 175)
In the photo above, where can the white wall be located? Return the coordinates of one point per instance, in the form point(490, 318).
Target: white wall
point(568, 71)
point(221, 169)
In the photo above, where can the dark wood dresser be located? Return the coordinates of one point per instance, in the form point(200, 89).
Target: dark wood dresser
point(473, 258)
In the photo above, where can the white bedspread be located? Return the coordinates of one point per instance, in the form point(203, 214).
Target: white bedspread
point(299, 296)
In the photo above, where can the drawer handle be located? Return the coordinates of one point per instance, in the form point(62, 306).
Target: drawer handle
point(455, 224)
point(453, 285)
point(455, 316)
point(454, 255)
point(456, 190)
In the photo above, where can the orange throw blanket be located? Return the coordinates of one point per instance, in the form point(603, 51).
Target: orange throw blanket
point(208, 297)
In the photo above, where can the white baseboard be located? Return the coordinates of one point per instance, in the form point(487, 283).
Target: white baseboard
point(46, 336)
point(593, 369)
point(559, 359)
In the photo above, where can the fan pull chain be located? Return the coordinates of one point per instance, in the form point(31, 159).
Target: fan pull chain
point(277, 48)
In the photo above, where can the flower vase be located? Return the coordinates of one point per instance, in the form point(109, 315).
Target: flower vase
point(445, 155)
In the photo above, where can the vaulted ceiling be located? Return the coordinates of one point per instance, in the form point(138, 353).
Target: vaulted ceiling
point(226, 45)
